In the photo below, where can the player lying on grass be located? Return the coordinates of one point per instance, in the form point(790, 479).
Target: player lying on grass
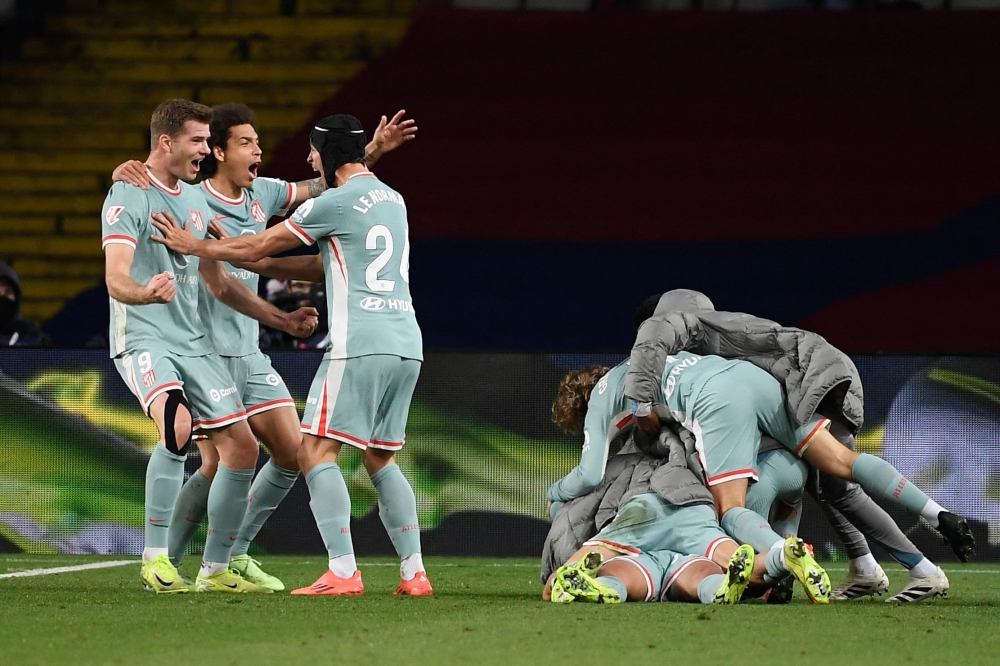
point(362, 391)
point(817, 378)
point(164, 355)
point(242, 204)
point(670, 508)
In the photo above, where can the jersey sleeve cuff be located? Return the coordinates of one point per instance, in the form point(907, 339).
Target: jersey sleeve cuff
point(292, 191)
point(297, 230)
point(117, 240)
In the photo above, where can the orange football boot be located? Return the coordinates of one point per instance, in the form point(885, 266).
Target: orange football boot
point(332, 584)
point(418, 586)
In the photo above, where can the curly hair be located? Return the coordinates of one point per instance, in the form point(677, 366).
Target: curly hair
point(570, 405)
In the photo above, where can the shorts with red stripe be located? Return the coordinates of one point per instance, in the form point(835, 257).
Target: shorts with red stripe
point(661, 569)
point(648, 523)
point(151, 371)
point(729, 414)
point(262, 388)
point(362, 401)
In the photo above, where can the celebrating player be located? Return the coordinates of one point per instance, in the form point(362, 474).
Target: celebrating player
point(242, 204)
point(164, 355)
point(814, 374)
point(362, 391)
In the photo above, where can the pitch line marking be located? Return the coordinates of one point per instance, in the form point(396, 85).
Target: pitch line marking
point(78, 567)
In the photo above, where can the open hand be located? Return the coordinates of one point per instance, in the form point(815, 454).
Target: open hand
point(302, 322)
point(161, 289)
point(215, 230)
point(132, 172)
point(392, 135)
point(174, 237)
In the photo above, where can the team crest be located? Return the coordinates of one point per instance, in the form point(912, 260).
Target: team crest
point(113, 213)
point(148, 379)
point(196, 220)
point(257, 212)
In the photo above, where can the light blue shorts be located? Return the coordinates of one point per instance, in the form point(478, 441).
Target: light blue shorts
point(261, 387)
point(647, 523)
point(362, 401)
point(729, 414)
point(660, 568)
point(210, 390)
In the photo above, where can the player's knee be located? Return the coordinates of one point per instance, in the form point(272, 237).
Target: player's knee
point(176, 423)
point(376, 459)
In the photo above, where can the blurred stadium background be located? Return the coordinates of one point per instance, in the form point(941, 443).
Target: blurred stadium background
point(822, 164)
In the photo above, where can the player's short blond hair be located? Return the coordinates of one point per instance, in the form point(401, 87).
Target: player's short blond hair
point(570, 405)
point(170, 116)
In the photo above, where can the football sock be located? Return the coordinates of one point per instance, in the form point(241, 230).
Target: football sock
point(748, 527)
point(164, 476)
point(709, 586)
point(397, 507)
point(190, 509)
point(344, 565)
point(774, 563)
point(923, 568)
point(227, 506)
point(788, 526)
point(268, 489)
point(331, 507)
point(411, 566)
point(881, 479)
point(615, 584)
point(864, 565)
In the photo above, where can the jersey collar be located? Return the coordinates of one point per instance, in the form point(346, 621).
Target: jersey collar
point(215, 193)
point(361, 174)
point(155, 181)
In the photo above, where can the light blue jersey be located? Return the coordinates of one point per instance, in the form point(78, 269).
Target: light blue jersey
point(608, 415)
point(684, 375)
point(233, 333)
point(363, 237)
point(126, 219)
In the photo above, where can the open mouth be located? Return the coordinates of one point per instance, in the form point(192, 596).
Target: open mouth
point(253, 169)
point(196, 165)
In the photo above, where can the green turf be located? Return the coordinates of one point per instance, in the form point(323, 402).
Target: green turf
point(483, 613)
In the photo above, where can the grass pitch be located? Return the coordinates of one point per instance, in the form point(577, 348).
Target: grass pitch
point(484, 612)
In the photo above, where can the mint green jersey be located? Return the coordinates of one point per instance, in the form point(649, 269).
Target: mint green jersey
point(363, 238)
point(684, 375)
point(126, 220)
point(608, 415)
point(233, 333)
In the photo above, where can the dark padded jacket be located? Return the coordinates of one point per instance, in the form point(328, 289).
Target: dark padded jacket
point(817, 376)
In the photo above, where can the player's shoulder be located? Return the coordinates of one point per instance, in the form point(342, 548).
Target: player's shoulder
point(121, 191)
point(265, 184)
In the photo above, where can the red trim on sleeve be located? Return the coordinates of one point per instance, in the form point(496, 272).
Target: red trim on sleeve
point(624, 422)
point(812, 433)
point(124, 240)
point(298, 231)
point(291, 195)
point(729, 476)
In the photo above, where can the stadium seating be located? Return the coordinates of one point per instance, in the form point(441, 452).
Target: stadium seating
point(78, 101)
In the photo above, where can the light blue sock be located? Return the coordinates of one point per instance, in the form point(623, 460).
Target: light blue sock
point(880, 479)
point(748, 527)
point(615, 584)
point(331, 506)
point(227, 506)
point(268, 489)
point(709, 586)
point(397, 507)
point(164, 476)
point(774, 565)
point(190, 509)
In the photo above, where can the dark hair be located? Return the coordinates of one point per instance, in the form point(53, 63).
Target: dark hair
point(645, 310)
point(570, 405)
point(224, 118)
point(170, 116)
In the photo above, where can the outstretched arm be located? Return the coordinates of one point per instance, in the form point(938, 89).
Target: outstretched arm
point(238, 249)
point(389, 135)
point(306, 267)
point(239, 297)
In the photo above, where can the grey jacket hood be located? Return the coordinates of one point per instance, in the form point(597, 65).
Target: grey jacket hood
point(682, 300)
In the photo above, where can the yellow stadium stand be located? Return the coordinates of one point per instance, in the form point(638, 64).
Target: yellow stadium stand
point(77, 103)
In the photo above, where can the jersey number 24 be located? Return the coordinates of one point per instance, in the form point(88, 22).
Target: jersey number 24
point(372, 279)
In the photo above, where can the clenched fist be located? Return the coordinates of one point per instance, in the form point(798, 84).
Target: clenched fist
point(161, 289)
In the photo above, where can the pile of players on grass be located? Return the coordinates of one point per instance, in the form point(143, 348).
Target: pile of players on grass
point(720, 421)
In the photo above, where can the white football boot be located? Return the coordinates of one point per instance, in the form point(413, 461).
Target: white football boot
point(858, 585)
point(919, 588)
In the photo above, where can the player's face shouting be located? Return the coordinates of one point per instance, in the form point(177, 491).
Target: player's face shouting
point(188, 149)
point(315, 161)
point(241, 159)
